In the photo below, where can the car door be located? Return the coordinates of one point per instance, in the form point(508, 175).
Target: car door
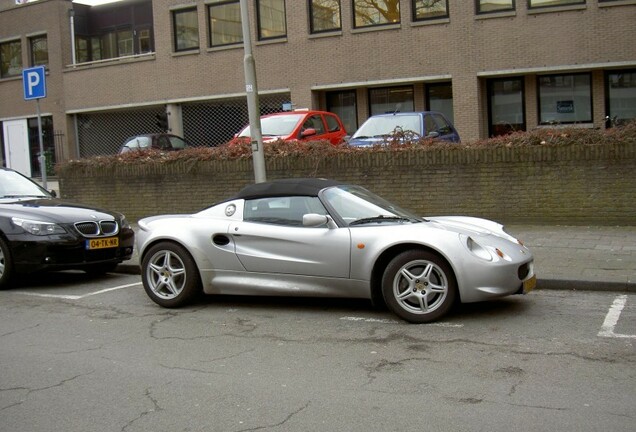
point(272, 239)
point(445, 128)
point(335, 131)
point(313, 122)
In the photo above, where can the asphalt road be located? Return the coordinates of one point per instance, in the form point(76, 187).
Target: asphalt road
point(82, 354)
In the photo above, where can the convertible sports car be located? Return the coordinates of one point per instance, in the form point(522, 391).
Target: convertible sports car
point(318, 237)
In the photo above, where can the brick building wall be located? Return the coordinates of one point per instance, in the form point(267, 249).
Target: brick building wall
point(570, 185)
point(465, 49)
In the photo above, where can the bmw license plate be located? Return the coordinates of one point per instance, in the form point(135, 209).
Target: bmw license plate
point(102, 243)
point(530, 284)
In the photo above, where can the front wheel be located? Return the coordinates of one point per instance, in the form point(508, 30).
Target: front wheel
point(419, 286)
point(6, 265)
point(170, 275)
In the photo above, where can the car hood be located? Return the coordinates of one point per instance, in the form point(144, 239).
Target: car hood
point(366, 142)
point(470, 226)
point(53, 210)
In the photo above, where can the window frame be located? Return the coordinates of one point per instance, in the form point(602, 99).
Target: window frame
point(479, 11)
point(570, 3)
point(489, 90)
point(16, 42)
point(32, 52)
point(220, 4)
point(376, 25)
point(427, 95)
point(175, 37)
point(610, 119)
point(591, 99)
point(348, 113)
point(388, 89)
point(259, 21)
point(416, 19)
point(312, 27)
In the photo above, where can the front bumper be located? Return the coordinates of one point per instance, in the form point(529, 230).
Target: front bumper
point(31, 253)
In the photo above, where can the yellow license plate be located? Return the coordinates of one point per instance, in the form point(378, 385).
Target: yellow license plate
point(102, 243)
point(530, 284)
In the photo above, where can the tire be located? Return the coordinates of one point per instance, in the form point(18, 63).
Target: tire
point(6, 265)
point(170, 276)
point(419, 286)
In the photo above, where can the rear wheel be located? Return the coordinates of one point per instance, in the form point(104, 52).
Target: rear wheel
point(419, 286)
point(6, 265)
point(169, 275)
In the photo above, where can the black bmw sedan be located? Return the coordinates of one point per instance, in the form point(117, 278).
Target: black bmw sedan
point(39, 232)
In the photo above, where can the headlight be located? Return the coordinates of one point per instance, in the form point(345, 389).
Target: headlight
point(38, 228)
point(478, 249)
point(124, 222)
point(487, 253)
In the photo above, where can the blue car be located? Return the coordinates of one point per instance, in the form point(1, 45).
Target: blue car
point(383, 128)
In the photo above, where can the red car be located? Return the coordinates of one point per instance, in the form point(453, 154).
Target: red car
point(301, 125)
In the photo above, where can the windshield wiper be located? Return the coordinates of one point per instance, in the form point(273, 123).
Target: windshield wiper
point(379, 218)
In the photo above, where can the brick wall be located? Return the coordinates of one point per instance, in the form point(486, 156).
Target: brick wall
point(569, 185)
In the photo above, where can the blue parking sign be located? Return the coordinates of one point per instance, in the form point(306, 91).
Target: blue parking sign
point(34, 81)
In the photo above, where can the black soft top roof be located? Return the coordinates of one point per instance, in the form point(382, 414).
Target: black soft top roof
point(286, 187)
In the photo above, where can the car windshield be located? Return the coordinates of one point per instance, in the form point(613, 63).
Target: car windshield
point(280, 125)
point(356, 205)
point(385, 125)
point(14, 185)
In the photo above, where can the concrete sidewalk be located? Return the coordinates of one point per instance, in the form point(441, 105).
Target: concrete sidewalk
point(566, 257)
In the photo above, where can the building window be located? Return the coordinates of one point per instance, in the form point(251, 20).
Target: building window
point(369, 13)
point(620, 104)
point(343, 103)
point(39, 51)
point(439, 97)
point(324, 15)
point(486, 6)
point(109, 45)
point(429, 9)
point(551, 3)
point(225, 22)
point(565, 99)
point(82, 49)
point(145, 41)
point(506, 102)
point(48, 144)
point(10, 58)
point(96, 49)
point(125, 43)
point(390, 99)
point(185, 23)
point(271, 19)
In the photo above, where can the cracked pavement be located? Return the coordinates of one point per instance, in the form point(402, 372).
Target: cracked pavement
point(117, 362)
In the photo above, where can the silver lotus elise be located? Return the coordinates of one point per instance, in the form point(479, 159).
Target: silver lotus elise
point(317, 237)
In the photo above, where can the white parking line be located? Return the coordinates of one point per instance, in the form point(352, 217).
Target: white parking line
point(611, 319)
point(76, 297)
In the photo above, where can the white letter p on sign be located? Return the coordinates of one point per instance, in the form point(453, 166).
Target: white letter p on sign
point(33, 80)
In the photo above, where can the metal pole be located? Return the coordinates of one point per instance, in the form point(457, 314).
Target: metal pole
point(251, 89)
point(42, 157)
point(71, 14)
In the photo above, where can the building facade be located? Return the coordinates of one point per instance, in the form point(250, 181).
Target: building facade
point(492, 66)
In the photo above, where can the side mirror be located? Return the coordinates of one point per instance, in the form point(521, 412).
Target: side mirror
point(53, 193)
point(312, 220)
